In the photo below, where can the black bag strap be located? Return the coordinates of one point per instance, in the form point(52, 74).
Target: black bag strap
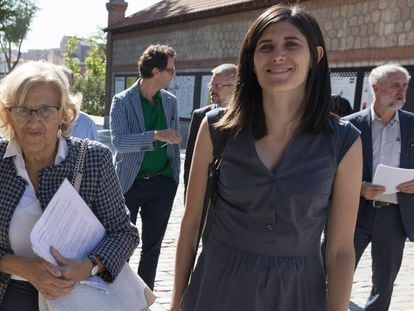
point(218, 137)
point(219, 140)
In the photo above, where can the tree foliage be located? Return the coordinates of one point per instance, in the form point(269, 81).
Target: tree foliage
point(15, 19)
point(72, 61)
point(90, 78)
point(5, 12)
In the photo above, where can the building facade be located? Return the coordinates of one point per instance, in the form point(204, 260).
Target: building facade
point(359, 35)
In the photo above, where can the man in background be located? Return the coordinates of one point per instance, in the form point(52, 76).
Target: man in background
point(83, 126)
point(144, 133)
point(221, 88)
point(385, 220)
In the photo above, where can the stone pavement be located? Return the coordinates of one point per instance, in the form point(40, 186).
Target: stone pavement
point(403, 297)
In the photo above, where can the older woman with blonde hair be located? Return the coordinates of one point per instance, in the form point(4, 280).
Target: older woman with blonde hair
point(36, 112)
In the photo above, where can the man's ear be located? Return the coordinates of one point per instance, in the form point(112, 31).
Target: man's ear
point(320, 52)
point(155, 71)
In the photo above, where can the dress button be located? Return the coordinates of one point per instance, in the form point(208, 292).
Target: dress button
point(269, 227)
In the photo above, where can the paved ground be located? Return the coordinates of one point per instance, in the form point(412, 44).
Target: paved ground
point(403, 297)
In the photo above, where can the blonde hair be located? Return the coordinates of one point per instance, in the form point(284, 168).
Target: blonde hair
point(15, 86)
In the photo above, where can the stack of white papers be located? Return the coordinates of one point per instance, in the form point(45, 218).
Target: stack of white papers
point(390, 177)
point(69, 225)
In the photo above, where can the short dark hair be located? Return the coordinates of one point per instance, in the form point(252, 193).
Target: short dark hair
point(154, 56)
point(246, 110)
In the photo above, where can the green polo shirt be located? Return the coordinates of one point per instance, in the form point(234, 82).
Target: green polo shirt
point(155, 162)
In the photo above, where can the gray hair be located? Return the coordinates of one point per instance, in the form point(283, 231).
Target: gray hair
point(225, 70)
point(380, 73)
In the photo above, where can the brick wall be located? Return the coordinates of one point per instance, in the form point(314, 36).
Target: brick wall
point(357, 33)
point(199, 44)
point(366, 33)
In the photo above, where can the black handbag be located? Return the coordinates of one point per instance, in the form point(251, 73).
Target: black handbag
point(219, 140)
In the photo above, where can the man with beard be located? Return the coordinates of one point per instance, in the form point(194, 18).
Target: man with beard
point(385, 220)
point(221, 88)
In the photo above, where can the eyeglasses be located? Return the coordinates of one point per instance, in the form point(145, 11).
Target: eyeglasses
point(23, 114)
point(218, 85)
point(171, 70)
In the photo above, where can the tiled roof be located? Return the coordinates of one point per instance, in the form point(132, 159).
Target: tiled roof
point(173, 11)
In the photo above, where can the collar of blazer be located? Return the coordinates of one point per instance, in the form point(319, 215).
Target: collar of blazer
point(168, 104)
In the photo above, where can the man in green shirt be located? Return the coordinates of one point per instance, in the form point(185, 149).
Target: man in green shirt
point(144, 132)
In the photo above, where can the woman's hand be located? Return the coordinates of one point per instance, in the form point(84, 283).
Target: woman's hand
point(44, 276)
point(47, 279)
point(75, 270)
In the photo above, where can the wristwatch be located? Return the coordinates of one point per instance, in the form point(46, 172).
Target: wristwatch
point(95, 267)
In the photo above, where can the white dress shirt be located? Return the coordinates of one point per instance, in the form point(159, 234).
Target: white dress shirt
point(386, 147)
point(28, 210)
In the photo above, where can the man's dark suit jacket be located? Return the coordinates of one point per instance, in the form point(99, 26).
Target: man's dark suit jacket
point(362, 120)
point(195, 123)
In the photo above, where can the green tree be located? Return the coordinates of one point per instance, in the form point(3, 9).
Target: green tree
point(89, 80)
point(5, 12)
point(72, 62)
point(15, 19)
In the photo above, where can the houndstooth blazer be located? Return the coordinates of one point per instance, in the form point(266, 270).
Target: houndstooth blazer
point(100, 189)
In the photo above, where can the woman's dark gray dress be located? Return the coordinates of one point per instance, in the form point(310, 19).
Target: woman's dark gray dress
point(262, 247)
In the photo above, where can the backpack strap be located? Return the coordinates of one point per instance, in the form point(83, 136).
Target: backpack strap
point(218, 137)
point(219, 140)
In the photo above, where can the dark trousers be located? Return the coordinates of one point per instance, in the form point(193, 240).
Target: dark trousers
point(153, 198)
point(383, 228)
point(20, 296)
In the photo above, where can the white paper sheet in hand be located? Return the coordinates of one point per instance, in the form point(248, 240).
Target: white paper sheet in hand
point(390, 177)
point(67, 224)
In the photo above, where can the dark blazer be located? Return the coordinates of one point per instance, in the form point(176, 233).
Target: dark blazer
point(100, 189)
point(195, 123)
point(362, 120)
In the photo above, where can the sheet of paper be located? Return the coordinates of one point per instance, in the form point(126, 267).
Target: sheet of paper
point(390, 177)
point(69, 225)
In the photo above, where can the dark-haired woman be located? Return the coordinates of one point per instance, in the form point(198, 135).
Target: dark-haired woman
point(287, 167)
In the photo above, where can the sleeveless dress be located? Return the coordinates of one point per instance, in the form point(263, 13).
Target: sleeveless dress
point(261, 248)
